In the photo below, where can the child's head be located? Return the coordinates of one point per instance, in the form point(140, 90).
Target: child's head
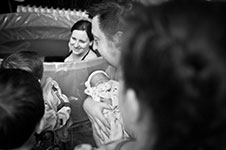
point(21, 108)
point(26, 60)
point(96, 78)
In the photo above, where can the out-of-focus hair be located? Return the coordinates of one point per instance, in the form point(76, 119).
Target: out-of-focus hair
point(177, 51)
point(26, 60)
point(21, 107)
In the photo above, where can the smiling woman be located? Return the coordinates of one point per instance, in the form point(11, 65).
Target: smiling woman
point(80, 43)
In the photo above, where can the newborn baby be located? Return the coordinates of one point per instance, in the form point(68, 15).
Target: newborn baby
point(102, 89)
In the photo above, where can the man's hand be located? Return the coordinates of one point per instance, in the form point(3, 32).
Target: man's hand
point(94, 111)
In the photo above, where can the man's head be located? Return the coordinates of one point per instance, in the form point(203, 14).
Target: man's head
point(107, 28)
point(26, 60)
point(21, 107)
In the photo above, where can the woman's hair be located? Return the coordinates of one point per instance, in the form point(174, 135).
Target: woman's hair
point(83, 25)
point(21, 107)
point(178, 54)
point(26, 60)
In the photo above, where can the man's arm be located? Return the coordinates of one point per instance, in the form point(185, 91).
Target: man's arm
point(94, 110)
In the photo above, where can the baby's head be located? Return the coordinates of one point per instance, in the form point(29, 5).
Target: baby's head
point(96, 78)
point(25, 60)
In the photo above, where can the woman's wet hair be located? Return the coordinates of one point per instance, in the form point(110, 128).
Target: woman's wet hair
point(83, 25)
point(28, 60)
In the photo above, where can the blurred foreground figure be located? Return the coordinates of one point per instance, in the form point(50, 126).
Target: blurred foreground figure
point(21, 108)
point(176, 88)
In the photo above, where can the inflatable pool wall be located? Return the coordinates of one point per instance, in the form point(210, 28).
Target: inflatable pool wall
point(72, 76)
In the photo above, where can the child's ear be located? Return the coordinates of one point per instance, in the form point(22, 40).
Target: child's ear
point(133, 105)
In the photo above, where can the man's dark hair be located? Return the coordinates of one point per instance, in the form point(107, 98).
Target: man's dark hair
point(21, 107)
point(109, 14)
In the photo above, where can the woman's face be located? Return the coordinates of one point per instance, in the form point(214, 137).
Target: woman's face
point(79, 42)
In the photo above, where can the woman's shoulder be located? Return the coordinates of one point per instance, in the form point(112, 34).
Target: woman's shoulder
point(69, 58)
point(91, 55)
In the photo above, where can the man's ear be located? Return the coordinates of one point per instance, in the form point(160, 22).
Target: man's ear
point(118, 36)
point(133, 105)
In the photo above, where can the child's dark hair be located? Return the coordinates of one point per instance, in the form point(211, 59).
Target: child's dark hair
point(26, 60)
